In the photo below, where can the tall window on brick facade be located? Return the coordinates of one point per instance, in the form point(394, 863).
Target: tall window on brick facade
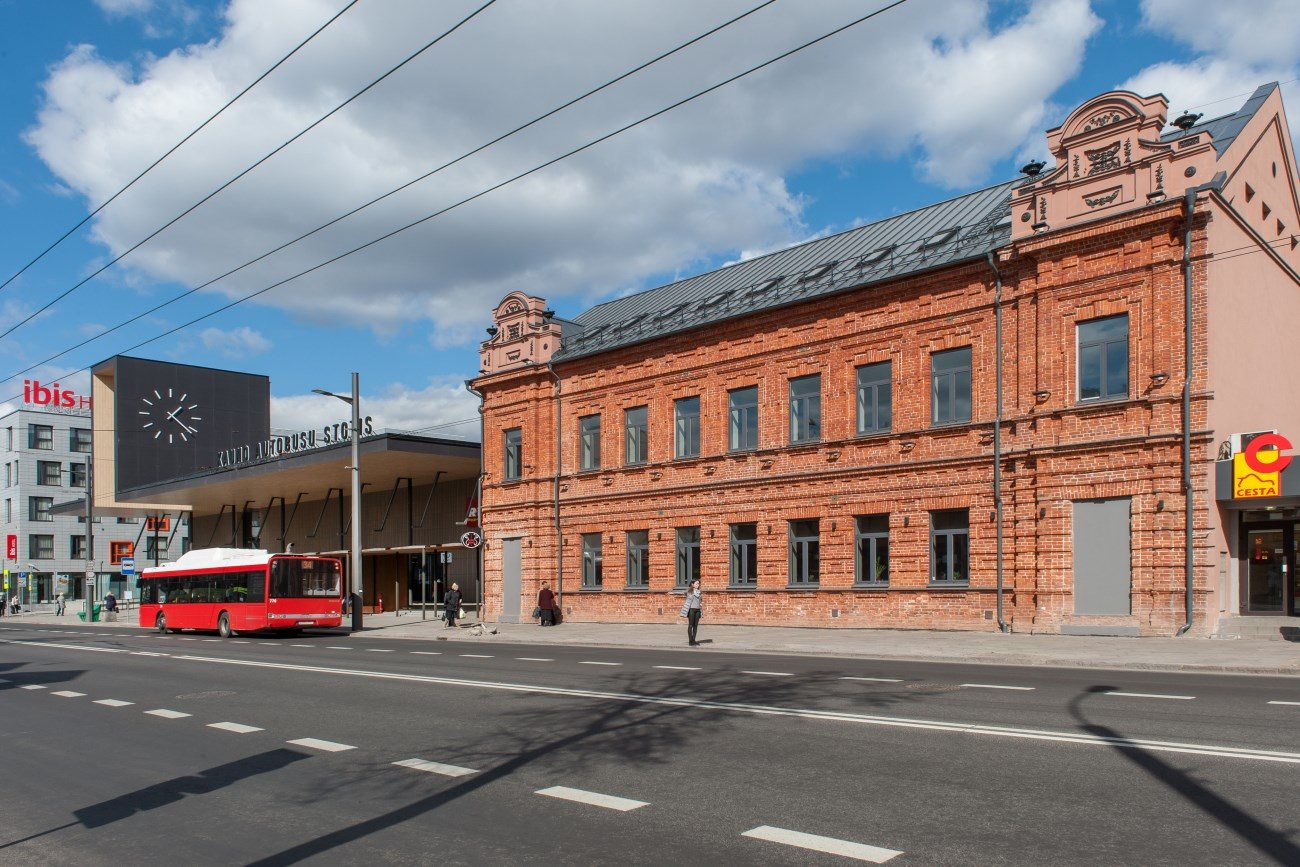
point(688, 555)
point(40, 436)
point(742, 405)
point(514, 453)
point(592, 562)
point(49, 473)
point(805, 553)
point(38, 508)
point(79, 439)
point(950, 547)
point(744, 555)
point(686, 427)
point(638, 558)
point(950, 386)
point(806, 409)
point(871, 554)
point(875, 398)
point(636, 431)
point(589, 442)
point(1103, 358)
point(40, 547)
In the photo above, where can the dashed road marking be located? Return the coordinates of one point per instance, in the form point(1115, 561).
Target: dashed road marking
point(679, 667)
point(997, 686)
point(379, 650)
point(874, 679)
point(817, 843)
point(1291, 703)
point(113, 702)
point(235, 641)
point(167, 714)
point(587, 662)
point(427, 652)
point(196, 639)
point(302, 645)
point(533, 659)
point(237, 728)
point(317, 744)
point(208, 639)
point(770, 673)
point(435, 767)
point(67, 693)
point(1149, 695)
point(337, 647)
point(147, 653)
point(595, 799)
point(476, 656)
point(33, 686)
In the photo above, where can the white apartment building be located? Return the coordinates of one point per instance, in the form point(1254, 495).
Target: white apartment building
point(45, 454)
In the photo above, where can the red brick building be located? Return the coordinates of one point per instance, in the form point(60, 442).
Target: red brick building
point(981, 414)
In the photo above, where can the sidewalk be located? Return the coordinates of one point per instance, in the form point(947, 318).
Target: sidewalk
point(1246, 656)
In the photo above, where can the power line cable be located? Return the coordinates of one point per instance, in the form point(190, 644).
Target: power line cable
point(176, 147)
point(392, 192)
point(250, 168)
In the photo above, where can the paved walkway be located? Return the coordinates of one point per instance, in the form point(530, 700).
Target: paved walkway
point(1252, 656)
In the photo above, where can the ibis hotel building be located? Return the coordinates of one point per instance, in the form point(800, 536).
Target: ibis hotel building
point(1032, 407)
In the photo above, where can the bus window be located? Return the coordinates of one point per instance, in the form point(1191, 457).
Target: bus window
point(256, 583)
point(305, 578)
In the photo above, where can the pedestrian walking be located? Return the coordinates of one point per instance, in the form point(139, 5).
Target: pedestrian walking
point(692, 608)
point(59, 605)
point(546, 605)
point(451, 604)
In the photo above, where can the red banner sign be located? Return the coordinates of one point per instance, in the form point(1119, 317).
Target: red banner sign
point(11, 547)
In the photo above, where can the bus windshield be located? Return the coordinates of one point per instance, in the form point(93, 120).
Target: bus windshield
point(295, 578)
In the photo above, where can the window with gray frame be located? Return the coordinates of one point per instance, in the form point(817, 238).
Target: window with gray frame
point(77, 472)
point(49, 473)
point(155, 548)
point(1103, 358)
point(950, 386)
point(589, 442)
point(875, 398)
point(950, 547)
point(686, 424)
point(513, 443)
point(806, 409)
point(79, 439)
point(638, 558)
point(77, 545)
point(871, 556)
point(9, 478)
point(592, 563)
point(688, 555)
point(40, 547)
point(744, 555)
point(805, 553)
point(40, 436)
point(38, 508)
point(742, 406)
point(636, 428)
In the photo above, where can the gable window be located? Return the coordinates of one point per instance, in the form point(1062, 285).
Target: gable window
point(806, 409)
point(875, 398)
point(49, 473)
point(592, 562)
point(40, 436)
point(950, 547)
point(871, 566)
point(686, 427)
point(805, 553)
point(744, 555)
point(688, 555)
point(638, 558)
point(742, 405)
point(950, 386)
point(1103, 358)
point(589, 442)
point(514, 448)
point(635, 432)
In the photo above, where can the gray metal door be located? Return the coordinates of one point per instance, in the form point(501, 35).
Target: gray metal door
point(510, 586)
point(1103, 575)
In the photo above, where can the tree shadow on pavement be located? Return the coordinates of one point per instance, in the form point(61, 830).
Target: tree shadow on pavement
point(1271, 843)
point(16, 677)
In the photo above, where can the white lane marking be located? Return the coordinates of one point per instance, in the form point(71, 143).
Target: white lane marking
point(199, 639)
point(1252, 753)
point(427, 652)
point(874, 679)
point(769, 673)
point(237, 728)
point(67, 693)
point(476, 656)
point(533, 659)
point(302, 645)
point(114, 702)
point(207, 639)
point(33, 686)
point(679, 667)
point(336, 647)
point(147, 653)
point(1292, 703)
point(63, 646)
point(234, 641)
point(585, 662)
point(379, 650)
point(1149, 695)
point(317, 744)
point(997, 686)
point(829, 845)
point(435, 767)
point(596, 799)
point(167, 714)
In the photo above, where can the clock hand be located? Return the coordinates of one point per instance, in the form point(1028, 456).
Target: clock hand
point(172, 415)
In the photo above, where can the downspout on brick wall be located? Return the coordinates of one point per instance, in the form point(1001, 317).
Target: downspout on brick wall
point(997, 426)
point(559, 453)
point(1189, 207)
point(478, 498)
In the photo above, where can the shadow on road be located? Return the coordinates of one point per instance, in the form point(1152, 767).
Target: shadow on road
point(17, 678)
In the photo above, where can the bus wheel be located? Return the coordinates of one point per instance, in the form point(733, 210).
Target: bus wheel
point(223, 626)
point(161, 623)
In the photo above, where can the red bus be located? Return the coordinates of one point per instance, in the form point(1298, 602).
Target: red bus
point(231, 590)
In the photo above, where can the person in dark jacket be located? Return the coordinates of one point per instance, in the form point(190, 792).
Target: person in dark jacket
point(692, 608)
point(451, 604)
point(546, 604)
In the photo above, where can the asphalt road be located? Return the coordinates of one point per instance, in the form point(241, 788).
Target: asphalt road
point(128, 746)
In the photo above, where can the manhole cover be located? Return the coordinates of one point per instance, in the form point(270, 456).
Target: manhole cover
point(212, 693)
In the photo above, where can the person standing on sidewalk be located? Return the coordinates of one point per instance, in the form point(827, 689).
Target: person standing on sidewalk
point(59, 605)
point(546, 604)
point(451, 604)
point(692, 608)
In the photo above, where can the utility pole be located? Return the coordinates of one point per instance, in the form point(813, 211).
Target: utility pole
point(88, 603)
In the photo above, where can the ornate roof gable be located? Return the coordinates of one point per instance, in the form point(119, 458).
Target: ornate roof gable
point(523, 332)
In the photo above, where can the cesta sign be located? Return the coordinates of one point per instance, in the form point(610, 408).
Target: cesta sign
point(52, 396)
point(1257, 471)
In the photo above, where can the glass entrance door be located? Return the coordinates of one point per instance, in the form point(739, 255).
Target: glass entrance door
point(1268, 552)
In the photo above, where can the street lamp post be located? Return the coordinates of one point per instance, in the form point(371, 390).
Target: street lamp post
point(357, 583)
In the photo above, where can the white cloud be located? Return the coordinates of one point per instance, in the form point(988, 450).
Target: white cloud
point(236, 342)
point(442, 409)
point(934, 81)
point(124, 7)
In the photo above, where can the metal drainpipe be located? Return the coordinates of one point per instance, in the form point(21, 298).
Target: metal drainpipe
point(478, 588)
point(559, 541)
point(997, 424)
point(1189, 206)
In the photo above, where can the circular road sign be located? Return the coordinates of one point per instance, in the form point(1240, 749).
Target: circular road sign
point(471, 539)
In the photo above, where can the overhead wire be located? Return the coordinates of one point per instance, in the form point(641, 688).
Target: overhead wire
point(174, 220)
point(175, 147)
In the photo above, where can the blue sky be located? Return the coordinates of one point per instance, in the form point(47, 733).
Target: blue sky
point(922, 103)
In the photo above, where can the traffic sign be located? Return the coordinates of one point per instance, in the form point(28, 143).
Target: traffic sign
point(471, 539)
point(128, 565)
point(22, 576)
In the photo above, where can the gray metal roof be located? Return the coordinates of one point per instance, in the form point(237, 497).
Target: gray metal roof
point(959, 229)
point(1225, 129)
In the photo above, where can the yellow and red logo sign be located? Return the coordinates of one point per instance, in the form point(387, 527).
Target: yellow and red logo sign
point(1257, 471)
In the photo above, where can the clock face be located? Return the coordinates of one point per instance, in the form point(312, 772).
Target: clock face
point(169, 416)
